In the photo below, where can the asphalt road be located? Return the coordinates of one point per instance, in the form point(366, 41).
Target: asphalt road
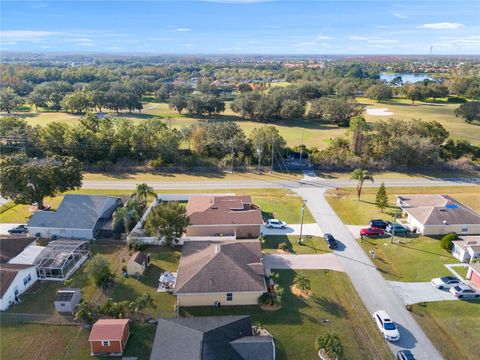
point(375, 292)
point(308, 182)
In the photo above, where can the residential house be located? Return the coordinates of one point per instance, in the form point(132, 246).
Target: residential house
point(438, 215)
point(467, 248)
point(220, 273)
point(78, 217)
point(233, 216)
point(210, 338)
point(15, 279)
point(109, 337)
point(473, 274)
point(137, 263)
point(67, 300)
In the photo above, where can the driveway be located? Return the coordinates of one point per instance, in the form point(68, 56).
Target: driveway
point(294, 229)
point(375, 292)
point(355, 230)
point(415, 292)
point(5, 227)
point(315, 262)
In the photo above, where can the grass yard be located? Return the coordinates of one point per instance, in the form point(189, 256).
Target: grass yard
point(354, 212)
point(453, 326)
point(312, 245)
point(22, 341)
point(402, 175)
point(444, 113)
point(414, 259)
point(297, 324)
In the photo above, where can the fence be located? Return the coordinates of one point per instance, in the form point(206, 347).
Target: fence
point(48, 319)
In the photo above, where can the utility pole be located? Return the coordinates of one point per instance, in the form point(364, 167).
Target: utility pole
point(393, 227)
point(301, 149)
point(300, 239)
point(233, 155)
point(259, 153)
point(271, 165)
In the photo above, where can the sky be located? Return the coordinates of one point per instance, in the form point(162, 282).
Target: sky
point(242, 27)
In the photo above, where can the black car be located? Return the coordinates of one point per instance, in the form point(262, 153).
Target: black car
point(330, 240)
point(382, 224)
point(20, 229)
point(405, 355)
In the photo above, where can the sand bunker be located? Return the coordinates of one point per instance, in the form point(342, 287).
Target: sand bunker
point(379, 112)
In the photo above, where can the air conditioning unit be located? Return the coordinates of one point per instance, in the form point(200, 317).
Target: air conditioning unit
point(216, 304)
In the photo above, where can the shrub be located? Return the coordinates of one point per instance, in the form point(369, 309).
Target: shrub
point(99, 270)
point(265, 299)
point(456, 100)
point(283, 246)
point(135, 245)
point(302, 282)
point(446, 242)
point(331, 344)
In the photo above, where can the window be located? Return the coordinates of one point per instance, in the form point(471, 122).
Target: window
point(229, 296)
point(27, 279)
point(62, 304)
point(105, 343)
point(464, 228)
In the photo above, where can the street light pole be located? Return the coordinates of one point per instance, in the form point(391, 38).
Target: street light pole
point(300, 239)
point(393, 227)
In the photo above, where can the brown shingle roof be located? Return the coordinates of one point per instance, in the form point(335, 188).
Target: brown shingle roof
point(108, 329)
point(8, 272)
point(212, 266)
point(438, 210)
point(222, 210)
point(12, 246)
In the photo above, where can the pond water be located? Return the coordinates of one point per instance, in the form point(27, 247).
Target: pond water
point(406, 77)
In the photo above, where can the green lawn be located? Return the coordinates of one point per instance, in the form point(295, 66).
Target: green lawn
point(22, 341)
point(296, 325)
point(312, 245)
point(355, 212)
point(414, 259)
point(453, 326)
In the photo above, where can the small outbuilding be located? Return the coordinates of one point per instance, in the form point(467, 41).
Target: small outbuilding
point(137, 263)
point(109, 337)
point(67, 300)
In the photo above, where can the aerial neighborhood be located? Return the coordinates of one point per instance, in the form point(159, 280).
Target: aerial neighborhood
point(239, 180)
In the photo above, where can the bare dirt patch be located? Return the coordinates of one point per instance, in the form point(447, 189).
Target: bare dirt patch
point(300, 293)
point(379, 112)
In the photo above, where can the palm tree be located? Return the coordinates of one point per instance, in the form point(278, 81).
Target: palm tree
point(361, 176)
point(127, 214)
point(142, 192)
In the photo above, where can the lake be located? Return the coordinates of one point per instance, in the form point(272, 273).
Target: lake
point(406, 77)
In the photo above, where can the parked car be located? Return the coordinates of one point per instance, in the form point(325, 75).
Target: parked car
point(330, 240)
point(382, 224)
point(276, 224)
point(445, 282)
point(371, 231)
point(405, 355)
point(387, 327)
point(398, 229)
point(20, 229)
point(462, 291)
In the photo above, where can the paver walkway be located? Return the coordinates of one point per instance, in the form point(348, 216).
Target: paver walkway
point(415, 292)
point(320, 261)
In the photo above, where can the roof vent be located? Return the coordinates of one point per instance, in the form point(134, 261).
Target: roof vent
point(217, 249)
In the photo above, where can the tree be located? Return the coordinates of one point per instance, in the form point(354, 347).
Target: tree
point(381, 198)
point(302, 282)
point(177, 102)
point(27, 180)
point(263, 139)
point(446, 242)
point(244, 87)
point(436, 90)
point(358, 128)
point(335, 110)
point(379, 92)
point(9, 100)
point(87, 312)
point(361, 176)
point(469, 111)
point(99, 270)
point(168, 220)
point(292, 110)
point(142, 192)
point(130, 213)
point(416, 92)
point(78, 101)
point(331, 344)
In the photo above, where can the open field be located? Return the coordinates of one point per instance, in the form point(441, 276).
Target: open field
point(296, 325)
point(355, 212)
point(445, 174)
point(444, 113)
point(412, 259)
point(311, 245)
point(279, 203)
point(453, 326)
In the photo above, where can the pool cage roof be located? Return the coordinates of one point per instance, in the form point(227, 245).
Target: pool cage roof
point(60, 259)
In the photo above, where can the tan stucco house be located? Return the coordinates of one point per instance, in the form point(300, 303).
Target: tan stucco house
point(220, 273)
point(220, 216)
point(438, 215)
point(137, 263)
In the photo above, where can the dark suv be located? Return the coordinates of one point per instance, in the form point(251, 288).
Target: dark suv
point(382, 224)
point(330, 240)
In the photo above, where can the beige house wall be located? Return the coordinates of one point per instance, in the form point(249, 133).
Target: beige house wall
point(134, 268)
point(241, 231)
point(209, 299)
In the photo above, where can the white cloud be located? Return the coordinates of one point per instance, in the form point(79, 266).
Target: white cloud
point(357, 38)
point(115, 48)
point(383, 41)
point(441, 26)
point(322, 37)
point(9, 42)
point(400, 16)
point(183, 29)
point(85, 44)
point(25, 35)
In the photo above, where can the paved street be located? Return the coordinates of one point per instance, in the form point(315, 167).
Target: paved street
point(280, 183)
point(415, 292)
point(294, 229)
point(375, 292)
point(322, 261)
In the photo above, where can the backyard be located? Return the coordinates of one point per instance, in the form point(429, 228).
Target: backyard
point(333, 306)
point(453, 326)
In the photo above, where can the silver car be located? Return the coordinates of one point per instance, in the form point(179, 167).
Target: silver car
point(276, 224)
point(445, 282)
point(463, 291)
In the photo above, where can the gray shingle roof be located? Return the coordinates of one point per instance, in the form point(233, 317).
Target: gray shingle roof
point(75, 212)
point(206, 338)
point(254, 347)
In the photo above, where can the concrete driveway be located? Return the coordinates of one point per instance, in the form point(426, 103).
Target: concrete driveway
point(355, 230)
point(415, 292)
point(5, 227)
point(294, 229)
point(319, 261)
